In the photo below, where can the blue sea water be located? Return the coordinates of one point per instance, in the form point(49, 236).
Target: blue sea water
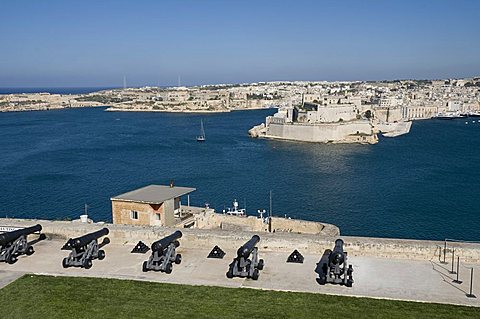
point(423, 185)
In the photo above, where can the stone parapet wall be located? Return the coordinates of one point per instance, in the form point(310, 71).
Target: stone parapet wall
point(211, 220)
point(278, 242)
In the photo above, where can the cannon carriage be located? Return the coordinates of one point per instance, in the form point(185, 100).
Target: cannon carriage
point(243, 266)
point(164, 254)
point(15, 243)
point(333, 267)
point(85, 249)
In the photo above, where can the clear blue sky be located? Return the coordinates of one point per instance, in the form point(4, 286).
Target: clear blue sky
point(96, 43)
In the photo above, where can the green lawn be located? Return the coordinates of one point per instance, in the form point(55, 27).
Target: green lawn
point(74, 297)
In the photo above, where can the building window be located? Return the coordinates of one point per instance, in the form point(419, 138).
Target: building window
point(133, 214)
point(157, 216)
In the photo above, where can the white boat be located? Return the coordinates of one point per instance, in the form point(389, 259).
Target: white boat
point(201, 137)
point(448, 116)
point(235, 211)
point(471, 114)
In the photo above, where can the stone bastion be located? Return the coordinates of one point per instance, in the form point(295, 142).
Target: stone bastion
point(277, 242)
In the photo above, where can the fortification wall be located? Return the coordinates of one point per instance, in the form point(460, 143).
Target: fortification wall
point(329, 132)
point(208, 220)
point(278, 242)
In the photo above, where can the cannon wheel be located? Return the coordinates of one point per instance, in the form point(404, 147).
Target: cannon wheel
point(29, 251)
point(255, 274)
point(350, 270)
point(349, 283)
point(144, 266)
point(168, 269)
point(65, 263)
point(260, 265)
point(101, 254)
point(230, 273)
point(322, 280)
point(87, 264)
point(12, 259)
point(178, 259)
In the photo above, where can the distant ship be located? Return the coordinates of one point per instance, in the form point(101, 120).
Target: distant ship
point(201, 137)
point(448, 116)
point(471, 114)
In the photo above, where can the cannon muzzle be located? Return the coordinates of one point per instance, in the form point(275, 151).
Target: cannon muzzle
point(337, 257)
point(86, 239)
point(246, 249)
point(163, 243)
point(13, 235)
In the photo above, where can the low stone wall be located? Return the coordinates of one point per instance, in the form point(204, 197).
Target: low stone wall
point(210, 220)
point(280, 224)
point(278, 242)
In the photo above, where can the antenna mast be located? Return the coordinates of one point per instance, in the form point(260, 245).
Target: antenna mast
point(270, 214)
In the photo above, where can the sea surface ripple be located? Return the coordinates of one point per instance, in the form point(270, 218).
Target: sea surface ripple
point(423, 185)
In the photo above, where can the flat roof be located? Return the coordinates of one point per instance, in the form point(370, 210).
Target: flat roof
point(153, 194)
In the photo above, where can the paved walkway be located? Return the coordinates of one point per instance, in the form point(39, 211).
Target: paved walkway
point(427, 281)
point(7, 277)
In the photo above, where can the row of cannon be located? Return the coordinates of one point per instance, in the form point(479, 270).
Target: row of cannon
point(332, 267)
point(245, 265)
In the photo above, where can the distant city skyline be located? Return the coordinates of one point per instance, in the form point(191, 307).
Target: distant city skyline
point(90, 44)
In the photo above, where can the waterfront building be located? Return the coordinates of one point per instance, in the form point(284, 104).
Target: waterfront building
point(419, 111)
point(153, 205)
point(388, 114)
point(454, 106)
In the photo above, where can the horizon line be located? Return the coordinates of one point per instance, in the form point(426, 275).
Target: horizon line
point(237, 83)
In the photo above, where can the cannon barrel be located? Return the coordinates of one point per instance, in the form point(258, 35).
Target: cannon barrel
point(163, 243)
point(337, 257)
point(246, 249)
point(87, 238)
point(13, 235)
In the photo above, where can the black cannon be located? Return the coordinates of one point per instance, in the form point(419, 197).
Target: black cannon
point(242, 265)
point(14, 243)
point(333, 267)
point(163, 254)
point(84, 249)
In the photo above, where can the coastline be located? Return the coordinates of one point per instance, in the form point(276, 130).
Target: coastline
point(49, 109)
point(114, 109)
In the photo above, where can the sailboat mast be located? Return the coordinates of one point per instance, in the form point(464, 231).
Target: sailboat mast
point(201, 137)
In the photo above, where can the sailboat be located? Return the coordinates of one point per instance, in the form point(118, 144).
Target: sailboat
point(201, 137)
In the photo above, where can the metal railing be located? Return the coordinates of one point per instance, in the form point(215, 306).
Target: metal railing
point(457, 272)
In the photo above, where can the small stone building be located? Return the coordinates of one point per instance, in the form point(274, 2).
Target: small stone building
point(154, 205)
